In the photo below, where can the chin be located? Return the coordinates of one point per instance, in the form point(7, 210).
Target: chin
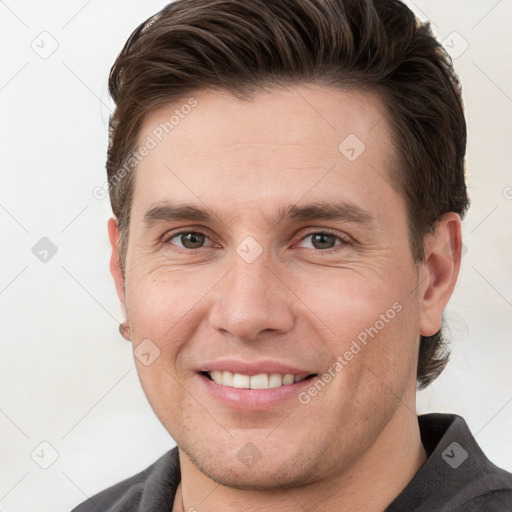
point(264, 475)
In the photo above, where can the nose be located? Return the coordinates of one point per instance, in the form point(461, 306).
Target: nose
point(252, 301)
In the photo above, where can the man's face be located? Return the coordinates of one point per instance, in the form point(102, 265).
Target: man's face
point(267, 285)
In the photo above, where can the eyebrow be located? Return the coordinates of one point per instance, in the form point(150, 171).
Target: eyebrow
point(344, 210)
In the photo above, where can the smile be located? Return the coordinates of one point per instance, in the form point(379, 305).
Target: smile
point(259, 381)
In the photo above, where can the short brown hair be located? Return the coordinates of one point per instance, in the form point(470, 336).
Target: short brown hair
point(245, 46)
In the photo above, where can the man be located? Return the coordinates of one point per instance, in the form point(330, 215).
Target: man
point(287, 180)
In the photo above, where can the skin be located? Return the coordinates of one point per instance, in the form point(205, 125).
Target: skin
point(356, 444)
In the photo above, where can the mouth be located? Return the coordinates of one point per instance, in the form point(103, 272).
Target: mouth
point(259, 381)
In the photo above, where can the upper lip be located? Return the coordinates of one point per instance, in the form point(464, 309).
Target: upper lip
point(253, 367)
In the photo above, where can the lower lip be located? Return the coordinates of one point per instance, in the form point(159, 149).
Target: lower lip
point(253, 399)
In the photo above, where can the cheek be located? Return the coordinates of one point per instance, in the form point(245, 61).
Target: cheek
point(368, 319)
point(167, 306)
point(161, 299)
point(346, 301)
point(162, 310)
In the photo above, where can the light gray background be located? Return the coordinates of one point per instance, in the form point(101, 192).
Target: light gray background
point(68, 378)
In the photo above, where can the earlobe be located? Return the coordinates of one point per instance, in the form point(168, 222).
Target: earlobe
point(115, 261)
point(439, 272)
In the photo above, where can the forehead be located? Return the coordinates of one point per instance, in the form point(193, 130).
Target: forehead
point(277, 147)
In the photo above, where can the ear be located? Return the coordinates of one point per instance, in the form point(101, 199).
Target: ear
point(439, 272)
point(115, 261)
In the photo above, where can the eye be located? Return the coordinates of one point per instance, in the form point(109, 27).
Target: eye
point(324, 240)
point(188, 239)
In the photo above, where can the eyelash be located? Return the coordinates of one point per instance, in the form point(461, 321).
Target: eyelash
point(343, 239)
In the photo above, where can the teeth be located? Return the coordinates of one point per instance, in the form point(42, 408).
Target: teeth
point(241, 381)
point(216, 376)
point(227, 378)
point(275, 380)
point(288, 379)
point(260, 381)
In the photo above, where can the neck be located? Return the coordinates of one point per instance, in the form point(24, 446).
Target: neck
point(378, 476)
